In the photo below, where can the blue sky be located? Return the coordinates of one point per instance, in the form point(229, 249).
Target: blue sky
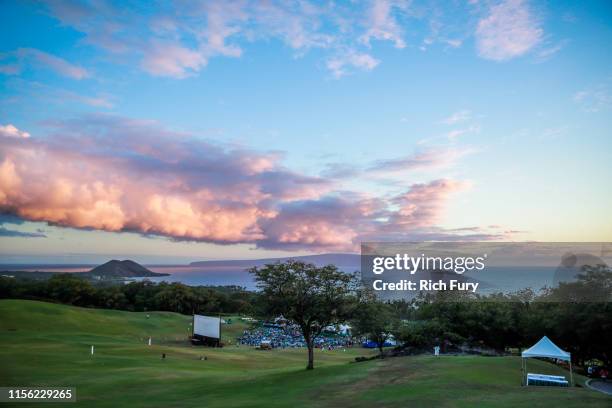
point(182, 131)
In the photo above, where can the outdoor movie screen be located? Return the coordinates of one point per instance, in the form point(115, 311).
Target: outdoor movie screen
point(207, 326)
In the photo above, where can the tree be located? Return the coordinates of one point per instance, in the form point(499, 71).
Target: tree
point(311, 297)
point(578, 315)
point(71, 289)
point(374, 319)
point(175, 297)
point(422, 334)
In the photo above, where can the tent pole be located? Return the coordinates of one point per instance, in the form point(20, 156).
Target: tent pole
point(526, 382)
point(571, 374)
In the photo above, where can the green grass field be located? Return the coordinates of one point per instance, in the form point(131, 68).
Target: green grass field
point(43, 344)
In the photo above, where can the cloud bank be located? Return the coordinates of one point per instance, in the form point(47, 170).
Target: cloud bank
point(116, 174)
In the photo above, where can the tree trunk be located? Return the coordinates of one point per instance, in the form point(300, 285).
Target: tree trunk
point(380, 347)
point(310, 365)
point(310, 344)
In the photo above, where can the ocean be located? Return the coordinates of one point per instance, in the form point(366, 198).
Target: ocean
point(492, 279)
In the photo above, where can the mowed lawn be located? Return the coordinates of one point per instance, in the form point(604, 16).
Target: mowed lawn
point(44, 344)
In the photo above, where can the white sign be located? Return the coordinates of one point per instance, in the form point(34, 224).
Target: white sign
point(207, 326)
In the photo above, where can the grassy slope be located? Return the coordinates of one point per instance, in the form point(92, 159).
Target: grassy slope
point(48, 345)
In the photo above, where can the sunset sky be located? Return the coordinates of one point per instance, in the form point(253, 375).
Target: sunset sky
point(173, 132)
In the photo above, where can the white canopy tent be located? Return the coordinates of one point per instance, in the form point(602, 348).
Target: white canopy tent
point(545, 348)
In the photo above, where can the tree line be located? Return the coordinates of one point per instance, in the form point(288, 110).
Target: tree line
point(139, 296)
point(576, 315)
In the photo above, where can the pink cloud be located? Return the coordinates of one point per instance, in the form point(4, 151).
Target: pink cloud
point(297, 24)
point(333, 222)
point(40, 59)
point(172, 60)
point(351, 59)
point(340, 223)
point(11, 131)
point(103, 172)
point(382, 24)
point(424, 160)
point(508, 31)
point(423, 205)
point(179, 41)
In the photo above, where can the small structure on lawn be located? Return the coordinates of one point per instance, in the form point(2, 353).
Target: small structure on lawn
point(545, 348)
point(206, 331)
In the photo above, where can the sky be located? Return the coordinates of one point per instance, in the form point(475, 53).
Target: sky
point(169, 132)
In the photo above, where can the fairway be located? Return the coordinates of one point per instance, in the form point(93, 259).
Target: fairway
point(44, 344)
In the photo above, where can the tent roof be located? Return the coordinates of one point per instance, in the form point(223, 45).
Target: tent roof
point(546, 348)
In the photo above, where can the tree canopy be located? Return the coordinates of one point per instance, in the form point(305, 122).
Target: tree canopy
point(312, 297)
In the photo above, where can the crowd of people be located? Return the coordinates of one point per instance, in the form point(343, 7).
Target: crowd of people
point(277, 336)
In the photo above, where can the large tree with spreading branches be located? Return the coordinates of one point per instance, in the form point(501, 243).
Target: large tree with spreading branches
point(310, 296)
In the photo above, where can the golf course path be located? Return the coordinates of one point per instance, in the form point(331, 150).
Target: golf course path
point(601, 386)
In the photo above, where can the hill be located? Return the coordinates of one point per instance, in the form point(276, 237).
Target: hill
point(46, 344)
point(111, 270)
point(122, 269)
